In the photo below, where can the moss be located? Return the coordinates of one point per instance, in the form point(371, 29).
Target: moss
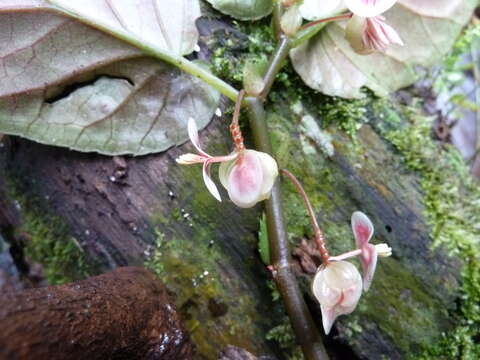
point(448, 191)
point(60, 255)
point(234, 49)
point(284, 336)
point(193, 271)
point(199, 271)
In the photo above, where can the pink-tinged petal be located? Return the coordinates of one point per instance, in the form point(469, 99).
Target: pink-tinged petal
point(362, 228)
point(209, 182)
point(328, 318)
point(326, 295)
point(351, 296)
point(391, 34)
point(245, 180)
point(369, 8)
point(369, 263)
point(375, 28)
point(193, 135)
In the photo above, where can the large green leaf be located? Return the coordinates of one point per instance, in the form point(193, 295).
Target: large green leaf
point(328, 64)
point(244, 9)
point(67, 84)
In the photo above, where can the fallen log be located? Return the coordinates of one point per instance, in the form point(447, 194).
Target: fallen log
point(124, 314)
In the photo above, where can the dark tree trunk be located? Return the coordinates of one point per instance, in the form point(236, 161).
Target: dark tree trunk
point(124, 314)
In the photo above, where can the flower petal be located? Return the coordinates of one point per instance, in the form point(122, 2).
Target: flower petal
point(369, 8)
point(209, 182)
point(245, 180)
point(328, 318)
point(391, 34)
point(224, 171)
point(369, 263)
point(193, 135)
point(270, 173)
point(362, 228)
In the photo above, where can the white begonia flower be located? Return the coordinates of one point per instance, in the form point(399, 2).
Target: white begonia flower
point(337, 286)
point(248, 175)
point(249, 178)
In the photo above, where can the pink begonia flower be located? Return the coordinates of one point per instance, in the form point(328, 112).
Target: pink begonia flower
point(337, 286)
point(367, 35)
point(363, 231)
point(248, 176)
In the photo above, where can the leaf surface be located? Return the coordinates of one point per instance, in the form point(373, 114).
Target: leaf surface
point(243, 9)
point(328, 64)
point(67, 84)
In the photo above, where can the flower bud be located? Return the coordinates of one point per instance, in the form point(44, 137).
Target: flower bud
point(337, 287)
point(249, 178)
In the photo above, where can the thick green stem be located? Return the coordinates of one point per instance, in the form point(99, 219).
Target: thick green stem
point(302, 322)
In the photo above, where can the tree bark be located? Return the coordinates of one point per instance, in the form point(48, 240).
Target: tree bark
point(124, 314)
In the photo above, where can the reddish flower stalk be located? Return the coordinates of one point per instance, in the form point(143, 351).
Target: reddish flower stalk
point(319, 236)
point(235, 127)
point(333, 18)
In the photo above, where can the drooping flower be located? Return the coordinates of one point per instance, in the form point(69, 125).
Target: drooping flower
point(248, 175)
point(367, 35)
point(249, 178)
point(337, 286)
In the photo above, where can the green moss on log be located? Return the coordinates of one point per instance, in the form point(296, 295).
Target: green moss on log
point(452, 209)
point(48, 242)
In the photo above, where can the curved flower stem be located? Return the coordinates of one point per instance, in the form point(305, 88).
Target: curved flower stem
point(333, 18)
point(300, 318)
point(319, 237)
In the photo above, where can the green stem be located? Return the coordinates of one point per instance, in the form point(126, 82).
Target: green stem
point(276, 17)
point(276, 63)
point(154, 51)
point(300, 318)
point(302, 323)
